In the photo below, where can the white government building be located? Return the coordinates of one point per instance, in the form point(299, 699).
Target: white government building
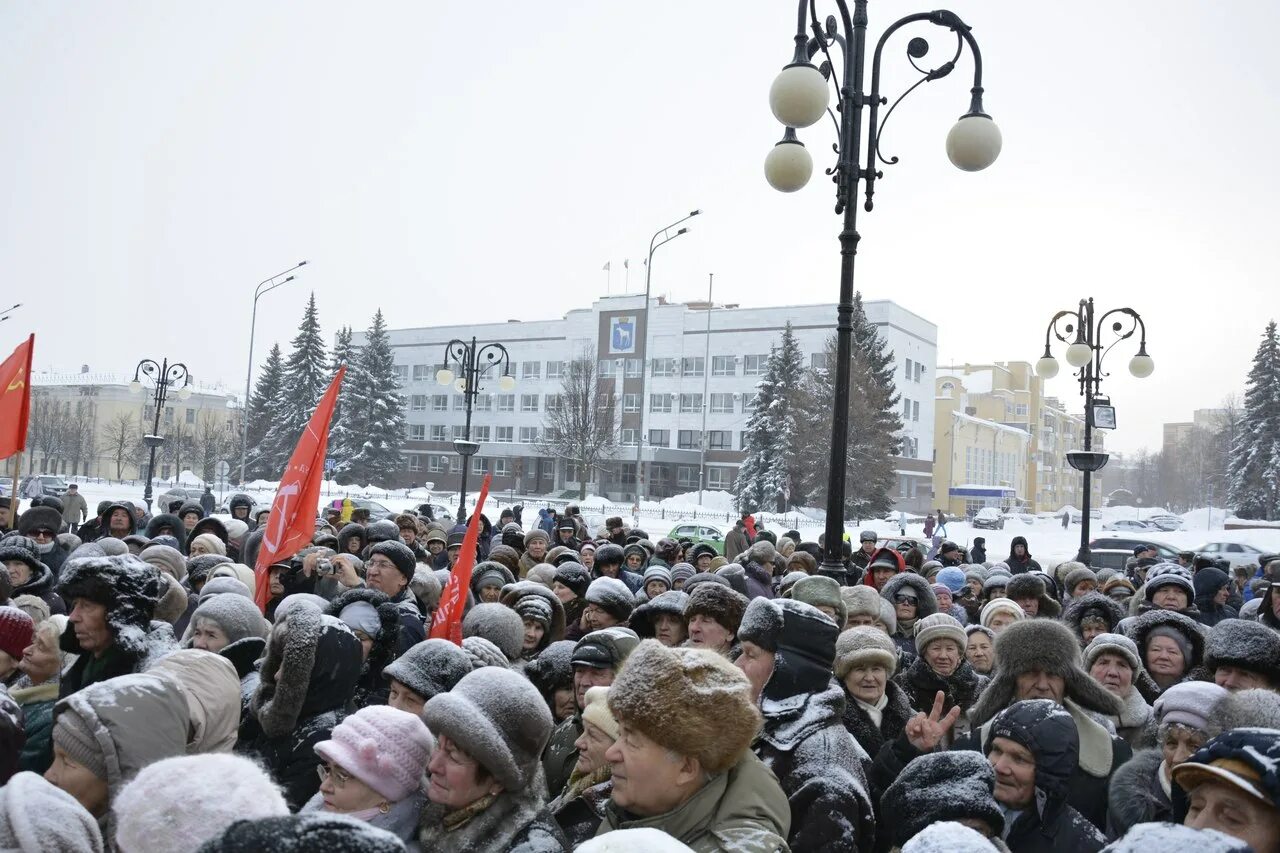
point(697, 387)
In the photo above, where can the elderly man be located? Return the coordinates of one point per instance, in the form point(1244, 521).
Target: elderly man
point(682, 763)
point(1242, 655)
point(1231, 786)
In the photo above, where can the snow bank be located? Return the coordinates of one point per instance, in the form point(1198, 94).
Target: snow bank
point(188, 478)
point(711, 501)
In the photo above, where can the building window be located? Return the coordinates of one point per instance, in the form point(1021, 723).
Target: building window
point(634, 367)
point(455, 464)
point(719, 478)
point(605, 368)
point(719, 439)
point(528, 402)
point(555, 369)
point(459, 402)
point(630, 402)
point(480, 433)
point(664, 367)
point(506, 402)
point(919, 372)
point(479, 465)
point(1020, 410)
point(553, 403)
point(659, 438)
point(483, 403)
point(908, 370)
point(630, 437)
point(528, 435)
point(502, 467)
point(436, 464)
point(191, 416)
point(458, 432)
point(724, 365)
point(906, 409)
point(531, 370)
point(818, 361)
point(690, 403)
point(439, 402)
point(417, 432)
point(402, 372)
point(947, 388)
point(748, 403)
point(689, 439)
point(721, 404)
point(502, 434)
point(438, 432)
point(754, 365)
point(693, 366)
point(687, 476)
point(418, 403)
point(421, 372)
point(415, 462)
point(660, 403)
point(915, 410)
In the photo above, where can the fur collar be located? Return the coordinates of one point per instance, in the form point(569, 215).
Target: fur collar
point(1135, 795)
point(280, 695)
point(494, 829)
point(788, 723)
point(1096, 753)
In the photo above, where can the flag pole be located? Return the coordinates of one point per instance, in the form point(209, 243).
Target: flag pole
point(13, 498)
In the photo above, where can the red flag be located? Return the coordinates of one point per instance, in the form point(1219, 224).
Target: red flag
point(292, 523)
point(447, 624)
point(15, 399)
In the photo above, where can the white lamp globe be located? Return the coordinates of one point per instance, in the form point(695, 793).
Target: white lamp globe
point(788, 166)
point(1047, 367)
point(506, 382)
point(974, 143)
point(460, 385)
point(135, 387)
point(1078, 354)
point(799, 95)
point(1141, 366)
point(444, 376)
point(184, 393)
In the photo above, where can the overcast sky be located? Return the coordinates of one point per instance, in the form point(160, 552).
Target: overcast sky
point(451, 162)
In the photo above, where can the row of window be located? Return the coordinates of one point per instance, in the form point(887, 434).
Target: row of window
point(726, 404)
point(496, 434)
point(987, 467)
point(914, 370)
point(686, 439)
point(686, 475)
point(631, 368)
point(910, 410)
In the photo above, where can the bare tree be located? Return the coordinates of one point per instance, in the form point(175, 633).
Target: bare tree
point(47, 432)
point(82, 435)
point(581, 426)
point(212, 441)
point(120, 440)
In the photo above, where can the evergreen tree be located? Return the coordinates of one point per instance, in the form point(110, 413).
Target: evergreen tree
point(374, 412)
point(266, 395)
point(756, 485)
point(342, 441)
point(1255, 458)
point(770, 475)
point(874, 423)
point(306, 376)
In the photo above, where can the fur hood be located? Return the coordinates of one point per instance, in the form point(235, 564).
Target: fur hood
point(384, 644)
point(126, 586)
point(312, 665)
point(1049, 646)
point(1142, 626)
point(1136, 796)
point(514, 817)
point(1092, 604)
point(928, 604)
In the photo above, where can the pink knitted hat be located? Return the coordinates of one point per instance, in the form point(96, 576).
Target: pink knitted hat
point(384, 747)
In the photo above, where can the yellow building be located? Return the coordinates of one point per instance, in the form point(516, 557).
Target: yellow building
point(1000, 442)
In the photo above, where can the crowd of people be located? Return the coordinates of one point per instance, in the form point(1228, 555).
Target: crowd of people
point(615, 691)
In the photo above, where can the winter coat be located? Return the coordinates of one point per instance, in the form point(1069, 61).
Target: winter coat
point(1018, 567)
point(929, 523)
point(118, 659)
point(41, 586)
point(401, 820)
point(963, 687)
point(74, 508)
point(517, 821)
point(372, 688)
point(978, 553)
point(213, 697)
point(244, 655)
point(759, 580)
point(207, 503)
point(37, 718)
point(1137, 795)
point(560, 755)
point(1207, 582)
point(893, 719)
point(306, 682)
point(347, 532)
point(820, 768)
point(580, 807)
point(735, 543)
point(742, 810)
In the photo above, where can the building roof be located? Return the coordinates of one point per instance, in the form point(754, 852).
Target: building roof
point(993, 424)
point(58, 379)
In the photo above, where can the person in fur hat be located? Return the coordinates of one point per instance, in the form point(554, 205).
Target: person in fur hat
point(788, 649)
point(1113, 661)
point(1142, 789)
point(579, 807)
point(1091, 614)
point(698, 781)
point(28, 575)
point(979, 648)
point(662, 618)
point(486, 790)
point(941, 667)
point(1231, 785)
point(232, 626)
point(1030, 592)
point(536, 544)
point(864, 606)
point(912, 599)
point(1171, 645)
point(942, 786)
point(1243, 655)
point(488, 579)
point(713, 614)
point(876, 709)
point(541, 612)
point(41, 525)
point(552, 673)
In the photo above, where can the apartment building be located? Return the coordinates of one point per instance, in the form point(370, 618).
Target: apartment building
point(986, 463)
point(685, 387)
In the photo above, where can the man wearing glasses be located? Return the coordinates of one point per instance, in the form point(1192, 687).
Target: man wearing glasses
point(42, 524)
point(388, 569)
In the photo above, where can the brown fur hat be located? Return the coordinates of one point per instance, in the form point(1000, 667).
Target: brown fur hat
point(721, 603)
point(1045, 645)
point(691, 701)
point(1032, 585)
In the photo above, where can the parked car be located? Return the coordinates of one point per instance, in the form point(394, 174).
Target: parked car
point(1108, 558)
point(6, 485)
point(1129, 525)
point(989, 518)
point(701, 534)
point(50, 484)
point(1235, 553)
point(1163, 551)
point(1167, 523)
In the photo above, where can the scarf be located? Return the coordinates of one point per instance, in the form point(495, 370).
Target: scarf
point(461, 817)
point(876, 711)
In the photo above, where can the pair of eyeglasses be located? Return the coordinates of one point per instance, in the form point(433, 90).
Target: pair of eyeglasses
point(901, 598)
point(325, 772)
point(42, 534)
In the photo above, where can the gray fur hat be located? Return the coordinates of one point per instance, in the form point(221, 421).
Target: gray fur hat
point(235, 615)
point(484, 653)
point(1044, 645)
point(498, 624)
point(430, 667)
point(820, 590)
point(1250, 646)
point(926, 601)
point(1032, 585)
point(612, 596)
point(1258, 708)
point(865, 601)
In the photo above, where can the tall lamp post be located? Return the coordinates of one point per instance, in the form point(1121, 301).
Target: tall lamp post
point(473, 365)
point(264, 286)
point(799, 98)
point(1085, 353)
point(163, 377)
point(660, 238)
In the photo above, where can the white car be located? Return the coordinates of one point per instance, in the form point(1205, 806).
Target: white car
point(1235, 553)
point(1129, 525)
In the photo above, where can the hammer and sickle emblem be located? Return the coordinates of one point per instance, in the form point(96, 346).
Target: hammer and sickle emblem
point(18, 380)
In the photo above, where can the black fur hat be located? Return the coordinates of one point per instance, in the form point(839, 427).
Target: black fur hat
point(1032, 585)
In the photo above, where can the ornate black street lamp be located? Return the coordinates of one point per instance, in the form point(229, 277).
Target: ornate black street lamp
point(1085, 354)
point(163, 376)
point(799, 97)
point(473, 364)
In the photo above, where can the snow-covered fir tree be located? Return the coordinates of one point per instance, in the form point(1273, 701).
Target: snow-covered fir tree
point(374, 412)
point(342, 441)
point(874, 423)
point(266, 395)
point(306, 376)
point(1255, 459)
point(769, 473)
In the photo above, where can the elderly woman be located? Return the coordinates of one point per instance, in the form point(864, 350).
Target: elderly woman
point(541, 613)
point(1170, 644)
point(662, 618)
point(1141, 789)
point(979, 649)
point(579, 808)
point(36, 691)
point(1092, 614)
point(999, 613)
point(486, 787)
point(1113, 661)
point(941, 668)
point(231, 626)
point(876, 709)
point(372, 770)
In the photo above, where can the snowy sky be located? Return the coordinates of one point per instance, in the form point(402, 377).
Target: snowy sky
point(452, 162)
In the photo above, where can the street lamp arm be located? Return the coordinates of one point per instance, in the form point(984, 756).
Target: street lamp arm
point(1052, 328)
point(178, 373)
point(661, 232)
point(147, 367)
point(258, 291)
point(492, 355)
point(1118, 329)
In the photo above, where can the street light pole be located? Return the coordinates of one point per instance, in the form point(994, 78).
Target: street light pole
point(654, 245)
point(473, 363)
point(1085, 353)
point(163, 375)
point(264, 286)
point(799, 98)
